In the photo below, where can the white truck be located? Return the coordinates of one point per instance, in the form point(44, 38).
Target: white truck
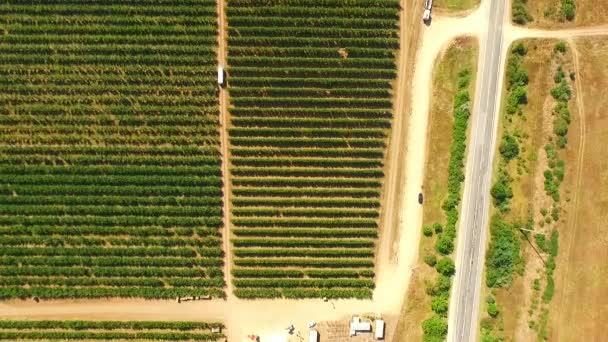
point(426, 16)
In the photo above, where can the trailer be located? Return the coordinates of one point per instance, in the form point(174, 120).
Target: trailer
point(313, 336)
point(379, 331)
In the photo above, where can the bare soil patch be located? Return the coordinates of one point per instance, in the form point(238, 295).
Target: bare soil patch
point(547, 13)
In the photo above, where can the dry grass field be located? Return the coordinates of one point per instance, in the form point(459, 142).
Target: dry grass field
point(463, 51)
point(523, 313)
point(547, 13)
point(580, 305)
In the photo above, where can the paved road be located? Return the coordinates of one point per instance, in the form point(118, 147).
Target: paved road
point(464, 302)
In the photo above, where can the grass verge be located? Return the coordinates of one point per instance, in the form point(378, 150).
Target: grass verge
point(450, 78)
point(527, 192)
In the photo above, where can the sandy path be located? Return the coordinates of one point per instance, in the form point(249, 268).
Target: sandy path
point(516, 32)
point(224, 122)
point(395, 276)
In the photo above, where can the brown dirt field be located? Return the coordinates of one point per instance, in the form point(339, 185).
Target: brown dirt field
point(519, 302)
point(546, 13)
point(435, 180)
point(580, 306)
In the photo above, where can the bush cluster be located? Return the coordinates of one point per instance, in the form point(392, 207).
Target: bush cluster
point(435, 328)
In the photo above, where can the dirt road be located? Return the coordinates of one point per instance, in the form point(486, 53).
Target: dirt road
point(224, 122)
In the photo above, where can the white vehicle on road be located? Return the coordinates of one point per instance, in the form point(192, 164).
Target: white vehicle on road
point(221, 76)
point(426, 16)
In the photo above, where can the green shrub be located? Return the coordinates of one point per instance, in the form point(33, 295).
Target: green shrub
point(555, 214)
point(493, 310)
point(436, 326)
point(559, 75)
point(554, 243)
point(445, 244)
point(549, 290)
point(562, 92)
point(427, 231)
point(501, 190)
point(560, 46)
point(568, 9)
point(509, 147)
point(445, 266)
point(541, 242)
point(439, 304)
point(503, 253)
point(438, 228)
point(520, 49)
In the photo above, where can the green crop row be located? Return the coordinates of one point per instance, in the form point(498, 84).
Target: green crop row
point(288, 81)
point(276, 122)
point(313, 21)
point(303, 252)
point(109, 190)
point(316, 242)
point(84, 137)
point(314, 283)
point(312, 11)
point(314, 102)
point(307, 192)
point(277, 51)
point(111, 221)
point(46, 234)
point(15, 58)
point(306, 172)
point(305, 202)
point(303, 162)
point(298, 182)
point(307, 132)
point(307, 152)
point(237, 71)
point(312, 112)
point(102, 210)
point(105, 292)
point(107, 336)
point(90, 160)
point(308, 142)
point(97, 251)
point(237, 91)
point(109, 9)
point(304, 222)
point(306, 232)
point(111, 200)
point(308, 212)
point(321, 4)
point(107, 261)
point(108, 325)
point(292, 273)
point(307, 262)
point(249, 293)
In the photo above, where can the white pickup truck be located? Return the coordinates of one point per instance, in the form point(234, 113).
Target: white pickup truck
point(426, 16)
